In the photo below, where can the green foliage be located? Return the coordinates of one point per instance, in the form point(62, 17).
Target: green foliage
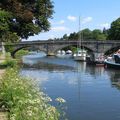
point(73, 36)
point(8, 62)
point(11, 37)
point(114, 31)
point(28, 17)
point(4, 23)
point(98, 35)
point(0, 53)
point(65, 37)
point(74, 49)
point(20, 53)
point(24, 100)
point(9, 48)
point(87, 34)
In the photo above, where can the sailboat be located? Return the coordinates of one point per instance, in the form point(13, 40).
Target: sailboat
point(80, 54)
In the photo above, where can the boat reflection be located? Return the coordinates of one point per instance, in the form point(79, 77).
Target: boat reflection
point(115, 78)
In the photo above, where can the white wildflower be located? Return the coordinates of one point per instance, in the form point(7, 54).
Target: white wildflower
point(61, 100)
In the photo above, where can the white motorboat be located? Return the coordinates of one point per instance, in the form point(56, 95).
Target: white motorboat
point(80, 55)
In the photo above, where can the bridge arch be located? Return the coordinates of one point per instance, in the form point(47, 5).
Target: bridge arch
point(74, 45)
point(111, 50)
point(20, 48)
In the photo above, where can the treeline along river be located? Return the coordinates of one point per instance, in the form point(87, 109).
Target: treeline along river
point(88, 90)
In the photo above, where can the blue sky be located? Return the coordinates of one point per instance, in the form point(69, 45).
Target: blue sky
point(95, 14)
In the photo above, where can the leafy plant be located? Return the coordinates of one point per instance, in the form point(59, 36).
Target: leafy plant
point(24, 100)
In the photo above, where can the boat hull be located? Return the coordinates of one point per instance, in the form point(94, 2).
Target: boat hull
point(111, 65)
point(80, 58)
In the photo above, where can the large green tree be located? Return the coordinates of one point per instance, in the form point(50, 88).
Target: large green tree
point(25, 17)
point(87, 34)
point(73, 36)
point(114, 31)
point(4, 24)
point(98, 35)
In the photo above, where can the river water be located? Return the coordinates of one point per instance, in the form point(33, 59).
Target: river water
point(88, 90)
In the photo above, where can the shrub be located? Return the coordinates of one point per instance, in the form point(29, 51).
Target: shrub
point(8, 63)
point(24, 100)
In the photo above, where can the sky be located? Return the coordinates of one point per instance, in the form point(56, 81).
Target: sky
point(94, 14)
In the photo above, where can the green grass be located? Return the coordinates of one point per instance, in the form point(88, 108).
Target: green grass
point(23, 99)
point(8, 62)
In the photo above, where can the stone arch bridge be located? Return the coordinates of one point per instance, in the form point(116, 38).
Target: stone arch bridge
point(50, 47)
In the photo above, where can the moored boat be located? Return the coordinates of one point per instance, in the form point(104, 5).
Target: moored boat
point(109, 64)
point(98, 62)
point(68, 52)
point(115, 63)
point(80, 55)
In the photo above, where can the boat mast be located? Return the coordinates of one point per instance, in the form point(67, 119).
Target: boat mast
point(79, 31)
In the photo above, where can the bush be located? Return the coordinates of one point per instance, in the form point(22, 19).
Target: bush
point(8, 63)
point(24, 100)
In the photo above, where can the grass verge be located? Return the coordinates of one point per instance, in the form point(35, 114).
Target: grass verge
point(22, 98)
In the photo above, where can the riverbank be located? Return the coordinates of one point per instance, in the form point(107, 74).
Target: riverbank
point(3, 115)
point(22, 98)
point(2, 72)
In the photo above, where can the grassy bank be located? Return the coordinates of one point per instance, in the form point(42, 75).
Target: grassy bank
point(7, 62)
point(22, 98)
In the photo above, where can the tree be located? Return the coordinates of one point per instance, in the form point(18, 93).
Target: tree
point(25, 17)
point(11, 37)
point(114, 31)
point(4, 24)
point(98, 35)
point(87, 34)
point(73, 36)
point(65, 37)
point(105, 31)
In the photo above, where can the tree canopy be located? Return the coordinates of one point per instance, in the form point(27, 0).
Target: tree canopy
point(25, 17)
point(87, 34)
point(114, 31)
point(98, 35)
point(106, 34)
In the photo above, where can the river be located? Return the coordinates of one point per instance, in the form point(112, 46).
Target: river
point(88, 90)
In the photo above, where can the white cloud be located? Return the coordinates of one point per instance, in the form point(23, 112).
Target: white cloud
point(71, 18)
point(59, 28)
point(106, 25)
point(58, 23)
point(61, 22)
point(52, 36)
point(87, 20)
